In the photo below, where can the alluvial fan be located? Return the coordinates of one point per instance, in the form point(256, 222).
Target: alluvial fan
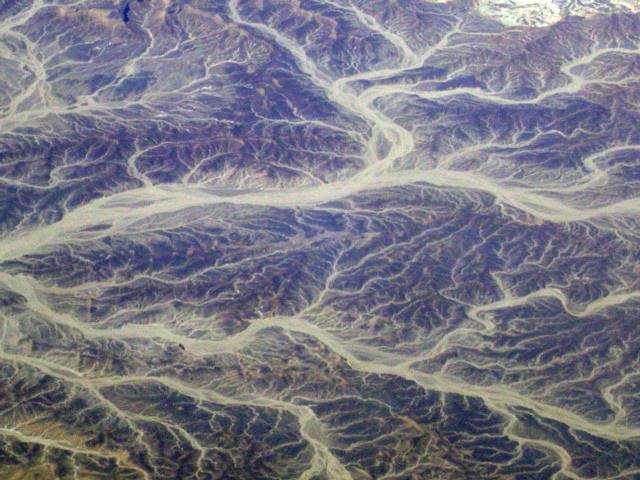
point(319, 239)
